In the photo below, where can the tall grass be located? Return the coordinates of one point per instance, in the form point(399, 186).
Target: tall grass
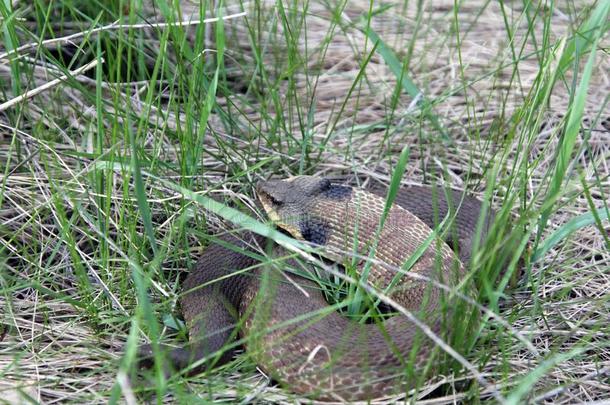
point(114, 181)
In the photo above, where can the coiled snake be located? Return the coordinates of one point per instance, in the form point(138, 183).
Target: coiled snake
point(287, 327)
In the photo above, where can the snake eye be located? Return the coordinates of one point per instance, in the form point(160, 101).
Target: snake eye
point(276, 201)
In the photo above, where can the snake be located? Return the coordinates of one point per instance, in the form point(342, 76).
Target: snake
point(284, 319)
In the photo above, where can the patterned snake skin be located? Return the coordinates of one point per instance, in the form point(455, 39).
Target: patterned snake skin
point(287, 326)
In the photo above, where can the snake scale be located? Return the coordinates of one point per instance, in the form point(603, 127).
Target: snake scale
point(326, 355)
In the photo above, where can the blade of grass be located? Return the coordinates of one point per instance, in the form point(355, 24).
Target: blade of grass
point(527, 382)
point(361, 73)
point(575, 114)
point(581, 221)
point(403, 79)
point(399, 170)
point(11, 42)
point(140, 189)
point(232, 215)
point(210, 100)
point(595, 217)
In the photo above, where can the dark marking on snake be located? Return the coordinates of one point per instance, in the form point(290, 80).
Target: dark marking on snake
point(314, 230)
point(338, 193)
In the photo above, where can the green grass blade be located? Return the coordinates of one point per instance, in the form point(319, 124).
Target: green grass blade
point(140, 191)
point(574, 118)
point(399, 171)
point(236, 217)
point(397, 176)
point(11, 42)
point(527, 383)
point(403, 78)
point(593, 28)
point(581, 221)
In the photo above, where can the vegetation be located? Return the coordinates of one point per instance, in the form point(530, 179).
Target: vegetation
point(128, 127)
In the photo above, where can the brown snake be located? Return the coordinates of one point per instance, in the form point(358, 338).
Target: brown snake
point(326, 355)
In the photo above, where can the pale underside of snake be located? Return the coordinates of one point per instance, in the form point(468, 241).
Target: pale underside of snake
point(286, 325)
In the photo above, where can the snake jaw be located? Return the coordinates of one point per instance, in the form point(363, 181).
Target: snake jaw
point(270, 205)
point(267, 204)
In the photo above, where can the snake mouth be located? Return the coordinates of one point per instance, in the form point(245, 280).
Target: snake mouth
point(273, 206)
point(267, 202)
point(263, 197)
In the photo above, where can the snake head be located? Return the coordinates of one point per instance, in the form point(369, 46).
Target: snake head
point(295, 204)
point(290, 198)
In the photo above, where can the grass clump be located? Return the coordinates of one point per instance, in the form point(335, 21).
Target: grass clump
point(127, 129)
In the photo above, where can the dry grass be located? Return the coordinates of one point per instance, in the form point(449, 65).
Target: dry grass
point(68, 243)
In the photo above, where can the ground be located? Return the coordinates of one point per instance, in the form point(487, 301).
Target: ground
point(115, 119)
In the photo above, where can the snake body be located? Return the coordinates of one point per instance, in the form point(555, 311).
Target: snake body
point(326, 355)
